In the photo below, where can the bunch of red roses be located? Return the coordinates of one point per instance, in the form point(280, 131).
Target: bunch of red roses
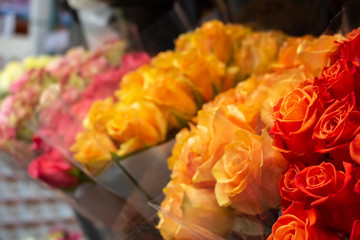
point(317, 129)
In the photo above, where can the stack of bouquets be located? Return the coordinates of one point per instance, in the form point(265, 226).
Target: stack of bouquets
point(127, 138)
point(44, 111)
point(226, 171)
point(32, 90)
point(59, 120)
point(14, 70)
point(158, 99)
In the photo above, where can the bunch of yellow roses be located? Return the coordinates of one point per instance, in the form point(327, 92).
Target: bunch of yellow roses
point(156, 100)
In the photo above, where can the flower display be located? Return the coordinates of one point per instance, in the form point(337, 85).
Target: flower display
point(318, 134)
point(64, 115)
point(14, 70)
point(42, 81)
point(156, 100)
point(228, 150)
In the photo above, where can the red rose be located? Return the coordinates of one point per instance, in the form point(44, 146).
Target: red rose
point(295, 118)
point(331, 194)
point(53, 169)
point(349, 48)
point(355, 232)
point(336, 81)
point(297, 223)
point(319, 181)
point(354, 149)
point(288, 190)
point(336, 128)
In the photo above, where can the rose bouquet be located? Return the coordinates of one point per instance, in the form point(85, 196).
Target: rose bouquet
point(36, 87)
point(156, 100)
point(64, 115)
point(14, 70)
point(316, 129)
point(225, 171)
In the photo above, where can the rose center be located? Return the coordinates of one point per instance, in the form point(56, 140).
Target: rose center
point(317, 180)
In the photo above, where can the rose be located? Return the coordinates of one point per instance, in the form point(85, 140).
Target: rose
point(93, 149)
point(192, 213)
point(288, 189)
point(354, 149)
point(248, 172)
point(337, 80)
point(256, 51)
point(336, 128)
point(279, 83)
point(330, 192)
point(348, 48)
point(204, 71)
point(169, 90)
point(142, 120)
point(53, 169)
point(355, 233)
point(100, 113)
point(297, 223)
point(104, 84)
point(295, 117)
point(308, 53)
point(342, 207)
point(319, 182)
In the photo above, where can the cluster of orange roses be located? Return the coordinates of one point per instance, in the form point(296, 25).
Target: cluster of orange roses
point(225, 170)
point(317, 128)
point(158, 99)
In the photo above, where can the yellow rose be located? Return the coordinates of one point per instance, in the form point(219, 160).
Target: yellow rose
point(171, 91)
point(184, 42)
point(191, 213)
point(288, 52)
point(164, 60)
point(314, 55)
point(93, 150)
point(99, 114)
point(142, 120)
point(248, 172)
point(212, 37)
point(132, 86)
point(130, 146)
point(204, 71)
point(38, 62)
point(181, 137)
point(257, 51)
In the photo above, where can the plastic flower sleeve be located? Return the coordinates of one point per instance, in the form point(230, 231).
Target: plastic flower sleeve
point(225, 170)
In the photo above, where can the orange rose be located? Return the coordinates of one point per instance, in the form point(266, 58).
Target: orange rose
point(295, 118)
point(279, 84)
point(248, 172)
point(191, 213)
point(297, 223)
